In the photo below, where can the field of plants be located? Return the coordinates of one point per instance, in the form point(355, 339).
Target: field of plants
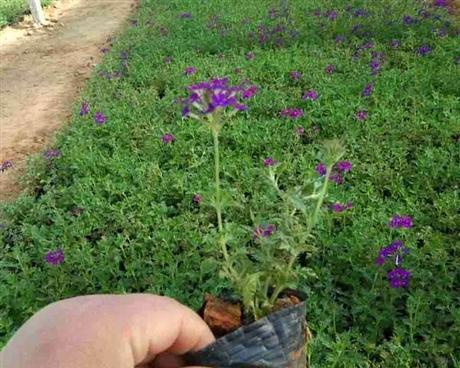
point(122, 202)
point(11, 10)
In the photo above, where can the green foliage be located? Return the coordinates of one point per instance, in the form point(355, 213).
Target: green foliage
point(11, 10)
point(119, 201)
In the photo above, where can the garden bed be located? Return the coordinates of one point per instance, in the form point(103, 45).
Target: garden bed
point(124, 196)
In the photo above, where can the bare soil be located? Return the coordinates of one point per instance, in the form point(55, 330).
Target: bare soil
point(42, 71)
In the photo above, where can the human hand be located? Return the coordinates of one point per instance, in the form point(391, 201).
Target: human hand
point(107, 331)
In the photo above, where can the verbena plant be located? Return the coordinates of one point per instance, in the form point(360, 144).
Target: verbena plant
point(260, 279)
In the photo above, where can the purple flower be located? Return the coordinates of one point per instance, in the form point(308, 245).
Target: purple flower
point(197, 198)
point(295, 75)
point(168, 138)
point(54, 257)
point(339, 39)
point(331, 15)
point(249, 93)
point(408, 20)
point(398, 222)
point(395, 250)
point(441, 3)
point(336, 178)
point(216, 94)
point(7, 164)
point(100, 118)
point(361, 13)
point(84, 108)
point(269, 161)
point(442, 32)
point(186, 16)
point(367, 91)
point(399, 278)
point(338, 207)
point(362, 115)
point(310, 95)
point(299, 131)
point(395, 44)
point(321, 169)
point(375, 66)
point(52, 154)
point(190, 70)
point(424, 50)
point(344, 166)
point(330, 69)
point(264, 232)
point(293, 113)
point(250, 55)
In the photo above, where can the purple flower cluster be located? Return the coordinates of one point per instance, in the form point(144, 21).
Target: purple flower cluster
point(214, 95)
point(249, 93)
point(311, 95)
point(337, 171)
point(168, 138)
point(269, 161)
point(339, 39)
point(197, 199)
point(250, 55)
point(293, 113)
point(398, 222)
point(408, 20)
point(330, 69)
point(424, 50)
point(299, 131)
point(441, 3)
point(376, 62)
point(361, 13)
point(190, 70)
point(100, 118)
point(399, 278)
point(50, 154)
point(362, 115)
point(395, 44)
point(186, 15)
point(265, 232)
point(395, 249)
point(276, 31)
point(5, 165)
point(338, 207)
point(295, 75)
point(368, 90)
point(331, 15)
point(54, 257)
point(84, 110)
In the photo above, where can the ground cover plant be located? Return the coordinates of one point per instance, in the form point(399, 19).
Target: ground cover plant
point(123, 201)
point(11, 10)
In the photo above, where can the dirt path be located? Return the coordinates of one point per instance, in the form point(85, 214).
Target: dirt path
point(42, 73)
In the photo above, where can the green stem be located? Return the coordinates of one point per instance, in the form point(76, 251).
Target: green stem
point(322, 195)
point(218, 204)
point(310, 225)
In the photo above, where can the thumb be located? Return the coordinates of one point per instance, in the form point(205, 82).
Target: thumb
point(117, 331)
